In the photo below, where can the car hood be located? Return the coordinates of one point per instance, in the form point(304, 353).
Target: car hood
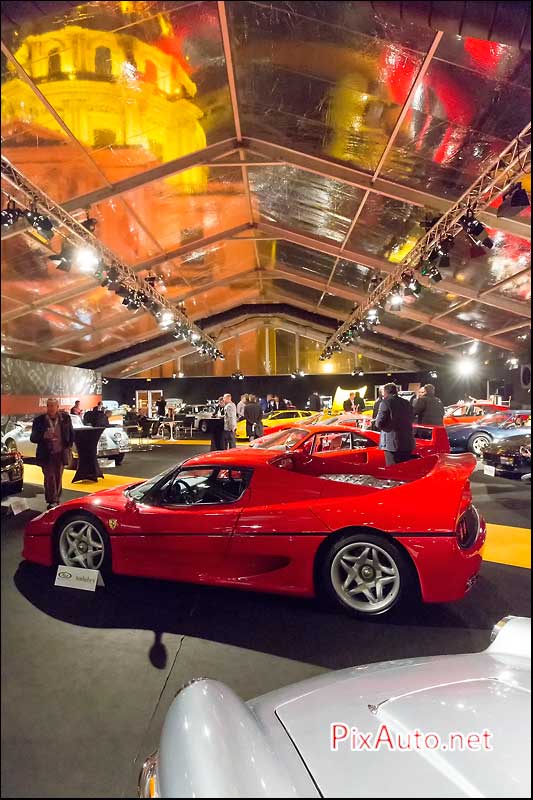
point(455, 696)
point(510, 446)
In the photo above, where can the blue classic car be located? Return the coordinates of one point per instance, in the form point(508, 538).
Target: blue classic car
point(475, 436)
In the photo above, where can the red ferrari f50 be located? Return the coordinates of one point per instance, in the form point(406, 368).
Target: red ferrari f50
point(365, 535)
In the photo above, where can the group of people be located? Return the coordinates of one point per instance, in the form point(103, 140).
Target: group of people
point(394, 417)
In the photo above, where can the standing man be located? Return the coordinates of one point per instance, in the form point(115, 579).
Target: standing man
point(230, 422)
point(314, 402)
point(241, 406)
point(349, 404)
point(54, 436)
point(253, 416)
point(76, 409)
point(395, 421)
point(161, 406)
point(359, 403)
point(428, 408)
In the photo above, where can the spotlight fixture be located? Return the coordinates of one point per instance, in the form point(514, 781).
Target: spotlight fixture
point(433, 374)
point(63, 260)
point(512, 363)
point(42, 226)
point(372, 316)
point(86, 259)
point(166, 318)
point(151, 278)
point(467, 367)
point(373, 283)
point(475, 230)
point(514, 201)
point(237, 376)
point(90, 224)
point(10, 214)
point(396, 298)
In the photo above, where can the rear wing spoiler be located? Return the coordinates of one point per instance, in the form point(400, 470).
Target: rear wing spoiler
point(212, 745)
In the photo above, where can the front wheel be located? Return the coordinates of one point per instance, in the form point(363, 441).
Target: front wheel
point(82, 541)
point(203, 426)
point(365, 574)
point(478, 443)
point(119, 459)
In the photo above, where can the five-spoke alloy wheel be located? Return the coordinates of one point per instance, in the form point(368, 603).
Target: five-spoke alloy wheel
point(82, 542)
point(365, 573)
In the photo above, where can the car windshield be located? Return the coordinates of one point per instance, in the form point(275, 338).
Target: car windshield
point(139, 491)
point(516, 422)
point(284, 440)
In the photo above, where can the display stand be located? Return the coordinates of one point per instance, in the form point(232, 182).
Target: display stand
point(86, 440)
point(215, 428)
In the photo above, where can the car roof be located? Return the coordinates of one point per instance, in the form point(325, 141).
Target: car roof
point(241, 457)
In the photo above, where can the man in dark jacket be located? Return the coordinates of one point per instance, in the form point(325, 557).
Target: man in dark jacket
point(395, 421)
point(253, 416)
point(98, 417)
point(54, 436)
point(314, 402)
point(428, 408)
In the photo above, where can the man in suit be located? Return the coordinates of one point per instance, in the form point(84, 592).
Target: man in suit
point(395, 421)
point(230, 422)
point(54, 436)
point(276, 404)
point(428, 408)
point(355, 404)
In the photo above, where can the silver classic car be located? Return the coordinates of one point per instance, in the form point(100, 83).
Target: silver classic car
point(446, 726)
point(113, 444)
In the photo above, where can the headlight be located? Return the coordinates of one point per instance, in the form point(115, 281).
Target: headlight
point(499, 625)
point(148, 778)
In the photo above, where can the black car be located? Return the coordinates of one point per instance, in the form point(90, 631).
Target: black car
point(12, 471)
point(508, 458)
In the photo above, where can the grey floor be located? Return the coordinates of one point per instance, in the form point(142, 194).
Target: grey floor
point(87, 678)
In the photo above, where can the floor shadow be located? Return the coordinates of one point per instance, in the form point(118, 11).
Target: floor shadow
point(291, 628)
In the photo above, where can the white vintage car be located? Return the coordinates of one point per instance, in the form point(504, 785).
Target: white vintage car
point(446, 726)
point(113, 444)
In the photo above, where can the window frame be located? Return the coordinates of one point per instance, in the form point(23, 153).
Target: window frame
point(247, 471)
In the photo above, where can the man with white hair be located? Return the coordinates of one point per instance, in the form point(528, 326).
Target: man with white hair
point(230, 422)
point(54, 436)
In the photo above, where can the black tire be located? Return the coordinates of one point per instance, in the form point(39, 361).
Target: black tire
point(401, 589)
point(16, 487)
point(203, 426)
point(475, 445)
point(119, 459)
point(82, 516)
point(11, 444)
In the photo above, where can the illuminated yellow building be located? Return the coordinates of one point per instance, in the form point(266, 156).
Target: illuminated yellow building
point(112, 90)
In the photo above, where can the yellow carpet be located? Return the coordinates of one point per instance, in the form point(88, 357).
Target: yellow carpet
point(508, 545)
point(504, 544)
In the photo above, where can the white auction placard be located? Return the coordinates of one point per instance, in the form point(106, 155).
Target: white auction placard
point(78, 578)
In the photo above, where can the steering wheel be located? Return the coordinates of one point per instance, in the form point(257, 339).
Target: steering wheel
point(188, 492)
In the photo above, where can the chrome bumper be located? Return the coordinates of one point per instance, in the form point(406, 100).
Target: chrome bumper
point(147, 786)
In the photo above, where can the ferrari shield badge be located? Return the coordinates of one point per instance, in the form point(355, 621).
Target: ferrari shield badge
point(113, 524)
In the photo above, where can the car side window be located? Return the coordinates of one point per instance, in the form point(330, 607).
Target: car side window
point(360, 442)
point(332, 442)
point(287, 415)
point(200, 486)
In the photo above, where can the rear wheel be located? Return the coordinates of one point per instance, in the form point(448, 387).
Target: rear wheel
point(478, 442)
point(203, 426)
point(82, 541)
point(366, 574)
point(119, 459)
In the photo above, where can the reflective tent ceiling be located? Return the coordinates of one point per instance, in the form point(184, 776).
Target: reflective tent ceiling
point(264, 160)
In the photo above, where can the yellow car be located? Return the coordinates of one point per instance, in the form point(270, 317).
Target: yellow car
point(275, 418)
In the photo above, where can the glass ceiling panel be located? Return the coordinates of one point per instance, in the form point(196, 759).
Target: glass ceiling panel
point(349, 274)
point(27, 273)
point(137, 88)
point(378, 341)
point(285, 254)
point(462, 115)
point(195, 204)
point(333, 86)
point(388, 228)
point(338, 304)
point(509, 255)
point(120, 229)
point(519, 289)
point(299, 199)
point(41, 326)
point(304, 293)
point(438, 335)
point(482, 317)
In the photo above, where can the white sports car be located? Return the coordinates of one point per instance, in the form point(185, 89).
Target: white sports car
point(114, 442)
point(447, 726)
